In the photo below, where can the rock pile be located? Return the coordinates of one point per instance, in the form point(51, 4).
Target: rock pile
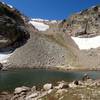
point(26, 93)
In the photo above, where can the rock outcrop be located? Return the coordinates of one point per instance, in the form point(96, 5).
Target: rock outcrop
point(84, 24)
point(12, 27)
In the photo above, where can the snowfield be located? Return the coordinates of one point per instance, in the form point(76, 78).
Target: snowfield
point(87, 43)
point(39, 25)
point(3, 57)
point(10, 6)
point(39, 20)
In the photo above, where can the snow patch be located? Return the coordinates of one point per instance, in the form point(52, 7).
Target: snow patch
point(39, 25)
point(2, 2)
point(39, 19)
point(7, 4)
point(53, 21)
point(10, 6)
point(87, 43)
point(4, 57)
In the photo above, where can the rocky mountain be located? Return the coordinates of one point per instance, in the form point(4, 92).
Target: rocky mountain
point(38, 43)
point(84, 24)
point(12, 27)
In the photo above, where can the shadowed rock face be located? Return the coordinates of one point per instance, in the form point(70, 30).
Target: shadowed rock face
point(12, 27)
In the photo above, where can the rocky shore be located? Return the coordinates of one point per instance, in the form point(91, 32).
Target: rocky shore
point(85, 89)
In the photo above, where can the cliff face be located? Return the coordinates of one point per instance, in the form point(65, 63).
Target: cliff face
point(12, 27)
point(47, 43)
point(85, 23)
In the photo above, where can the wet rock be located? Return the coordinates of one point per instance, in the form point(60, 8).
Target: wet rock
point(18, 90)
point(85, 77)
point(47, 86)
point(76, 82)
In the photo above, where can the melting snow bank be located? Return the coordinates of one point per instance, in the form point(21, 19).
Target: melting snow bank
point(4, 57)
point(39, 25)
point(87, 43)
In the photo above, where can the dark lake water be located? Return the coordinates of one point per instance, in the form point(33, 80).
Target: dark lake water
point(12, 79)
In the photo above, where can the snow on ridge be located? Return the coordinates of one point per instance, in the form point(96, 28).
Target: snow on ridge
point(39, 25)
point(39, 19)
point(2, 2)
point(10, 6)
point(87, 43)
point(43, 20)
point(53, 21)
point(7, 4)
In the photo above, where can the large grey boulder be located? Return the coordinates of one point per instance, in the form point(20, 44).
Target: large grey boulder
point(47, 86)
point(19, 90)
point(62, 85)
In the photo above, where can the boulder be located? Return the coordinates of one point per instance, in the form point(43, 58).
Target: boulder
point(30, 97)
point(61, 91)
point(72, 85)
point(19, 90)
point(62, 85)
point(47, 86)
point(4, 93)
point(89, 82)
point(86, 77)
point(33, 89)
point(76, 82)
point(49, 91)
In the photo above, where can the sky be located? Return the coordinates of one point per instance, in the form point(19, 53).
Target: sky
point(51, 9)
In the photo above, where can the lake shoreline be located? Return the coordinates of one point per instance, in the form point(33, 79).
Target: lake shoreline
point(62, 88)
point(62, 69)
